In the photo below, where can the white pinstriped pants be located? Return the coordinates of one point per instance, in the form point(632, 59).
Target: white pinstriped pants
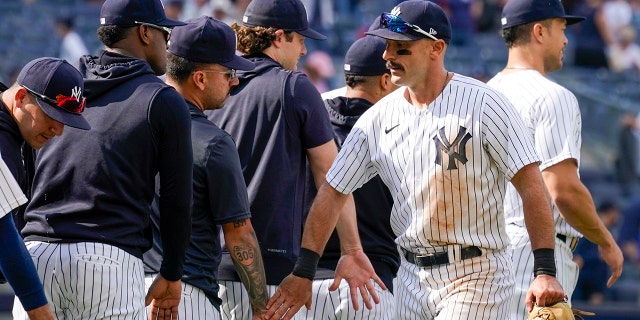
point(567, 270)
point(88, 280)
point(333, 305)
point(474, 288)
point(194, 304)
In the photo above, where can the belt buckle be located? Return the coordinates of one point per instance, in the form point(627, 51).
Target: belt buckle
point(429, 257)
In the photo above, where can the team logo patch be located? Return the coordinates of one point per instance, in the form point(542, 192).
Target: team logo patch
point(455, 150)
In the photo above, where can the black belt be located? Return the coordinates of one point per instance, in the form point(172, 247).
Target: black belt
point(573, 241)
point(438, 258)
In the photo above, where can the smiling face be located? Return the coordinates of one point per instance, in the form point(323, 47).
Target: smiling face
point(36, 127)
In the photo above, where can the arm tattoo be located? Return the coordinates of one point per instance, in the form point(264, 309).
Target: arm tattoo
point(248, 262)
point(238, 224)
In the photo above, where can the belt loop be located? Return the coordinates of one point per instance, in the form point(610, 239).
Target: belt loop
point(454, 252)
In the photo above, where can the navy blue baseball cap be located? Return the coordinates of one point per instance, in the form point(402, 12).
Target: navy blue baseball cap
point(364, 57)
point(289, 15)
point(413, 20)
point(129, 13)
point(207, 40)
point(58, 88)
point(517, 12)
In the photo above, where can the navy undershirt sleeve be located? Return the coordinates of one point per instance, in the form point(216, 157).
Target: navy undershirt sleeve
point(171, 121)
point(17, 266)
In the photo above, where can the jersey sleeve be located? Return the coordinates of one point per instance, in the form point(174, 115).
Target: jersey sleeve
point(310, 115)
point(353, 166)
point(557, 133)
point(11, 196)
point(171, 122)
point(506, 138)
point(227, 189)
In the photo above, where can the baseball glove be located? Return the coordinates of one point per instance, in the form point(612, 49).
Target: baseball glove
point(558, 311)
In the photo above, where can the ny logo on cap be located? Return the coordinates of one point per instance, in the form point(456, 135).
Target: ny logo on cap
point(76, 92)
point(396, 11)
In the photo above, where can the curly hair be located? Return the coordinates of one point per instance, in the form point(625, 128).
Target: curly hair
point(179, 68)
point(353, 80)
point(109, 35)
point(252, 40)
point(521, 34)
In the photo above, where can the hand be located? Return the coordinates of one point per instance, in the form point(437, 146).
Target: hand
point(41, 313)
point(545, 290)
point(357, 270)
point(164, 297)
point(292, 293)
point(613, 257)
point(259, 315)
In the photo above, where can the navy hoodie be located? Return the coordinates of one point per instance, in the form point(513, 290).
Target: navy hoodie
point(98, 185)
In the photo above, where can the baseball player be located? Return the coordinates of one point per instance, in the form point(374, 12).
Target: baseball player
point(368, 80)
point(87, 222)
point(445, 145)
point(202, 66)
point(47, 95)
point(278, 121)
point(534, 31)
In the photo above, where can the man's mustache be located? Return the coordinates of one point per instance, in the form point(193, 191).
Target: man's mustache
point(391, 65)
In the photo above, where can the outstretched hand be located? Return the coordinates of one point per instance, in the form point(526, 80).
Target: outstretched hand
point(357, 270)
point(293, 292)
point(164, 297)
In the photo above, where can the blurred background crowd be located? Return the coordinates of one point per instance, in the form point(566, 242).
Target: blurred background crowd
point(601, 67)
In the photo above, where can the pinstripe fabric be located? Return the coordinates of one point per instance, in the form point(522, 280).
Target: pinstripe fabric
point(88, 280)
point(235, 301)
point(336, 305)
point(480, 289)
point(194, 304)
point(522, 259)
point(448, 194)
point(552, 117)
point(447, 167)
point(11, 195)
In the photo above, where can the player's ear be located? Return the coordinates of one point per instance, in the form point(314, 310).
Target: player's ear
point(199, 79)
point(20, 97)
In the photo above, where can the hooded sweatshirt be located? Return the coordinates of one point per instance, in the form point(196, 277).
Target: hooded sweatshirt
point(98, 185)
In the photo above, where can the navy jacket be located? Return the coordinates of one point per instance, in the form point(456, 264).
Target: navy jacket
point(274, 116)
point(98, 185)
point(219, 197)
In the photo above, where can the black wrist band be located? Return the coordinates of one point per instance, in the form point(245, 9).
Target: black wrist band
point(544, 262)
point(306, 264)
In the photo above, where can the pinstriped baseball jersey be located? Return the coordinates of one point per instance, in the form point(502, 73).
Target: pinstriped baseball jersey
point(11, 195)
point(552, 116)
point(446, 165)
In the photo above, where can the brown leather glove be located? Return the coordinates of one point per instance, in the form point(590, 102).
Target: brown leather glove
point(558, 311)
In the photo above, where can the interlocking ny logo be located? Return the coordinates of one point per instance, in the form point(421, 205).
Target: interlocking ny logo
point(455, 149)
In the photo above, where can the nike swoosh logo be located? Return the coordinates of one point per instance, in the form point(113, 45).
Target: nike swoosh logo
point(389, 129)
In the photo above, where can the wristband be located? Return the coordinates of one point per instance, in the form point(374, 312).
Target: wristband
point(544, 262)
point(306, 264)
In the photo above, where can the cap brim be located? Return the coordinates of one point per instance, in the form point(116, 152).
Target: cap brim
point(390, 35)
point(170, 23)
point(239, 63)
point(64, 117)
point(310, 33)
point(573, 19)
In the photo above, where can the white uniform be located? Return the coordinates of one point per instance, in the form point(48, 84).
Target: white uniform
point(194, 303)
point(447, 167)
point(552, 115)
point(11, 195)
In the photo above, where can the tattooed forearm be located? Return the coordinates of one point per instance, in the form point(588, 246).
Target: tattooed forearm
point(248, 262)
point(238, 224)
